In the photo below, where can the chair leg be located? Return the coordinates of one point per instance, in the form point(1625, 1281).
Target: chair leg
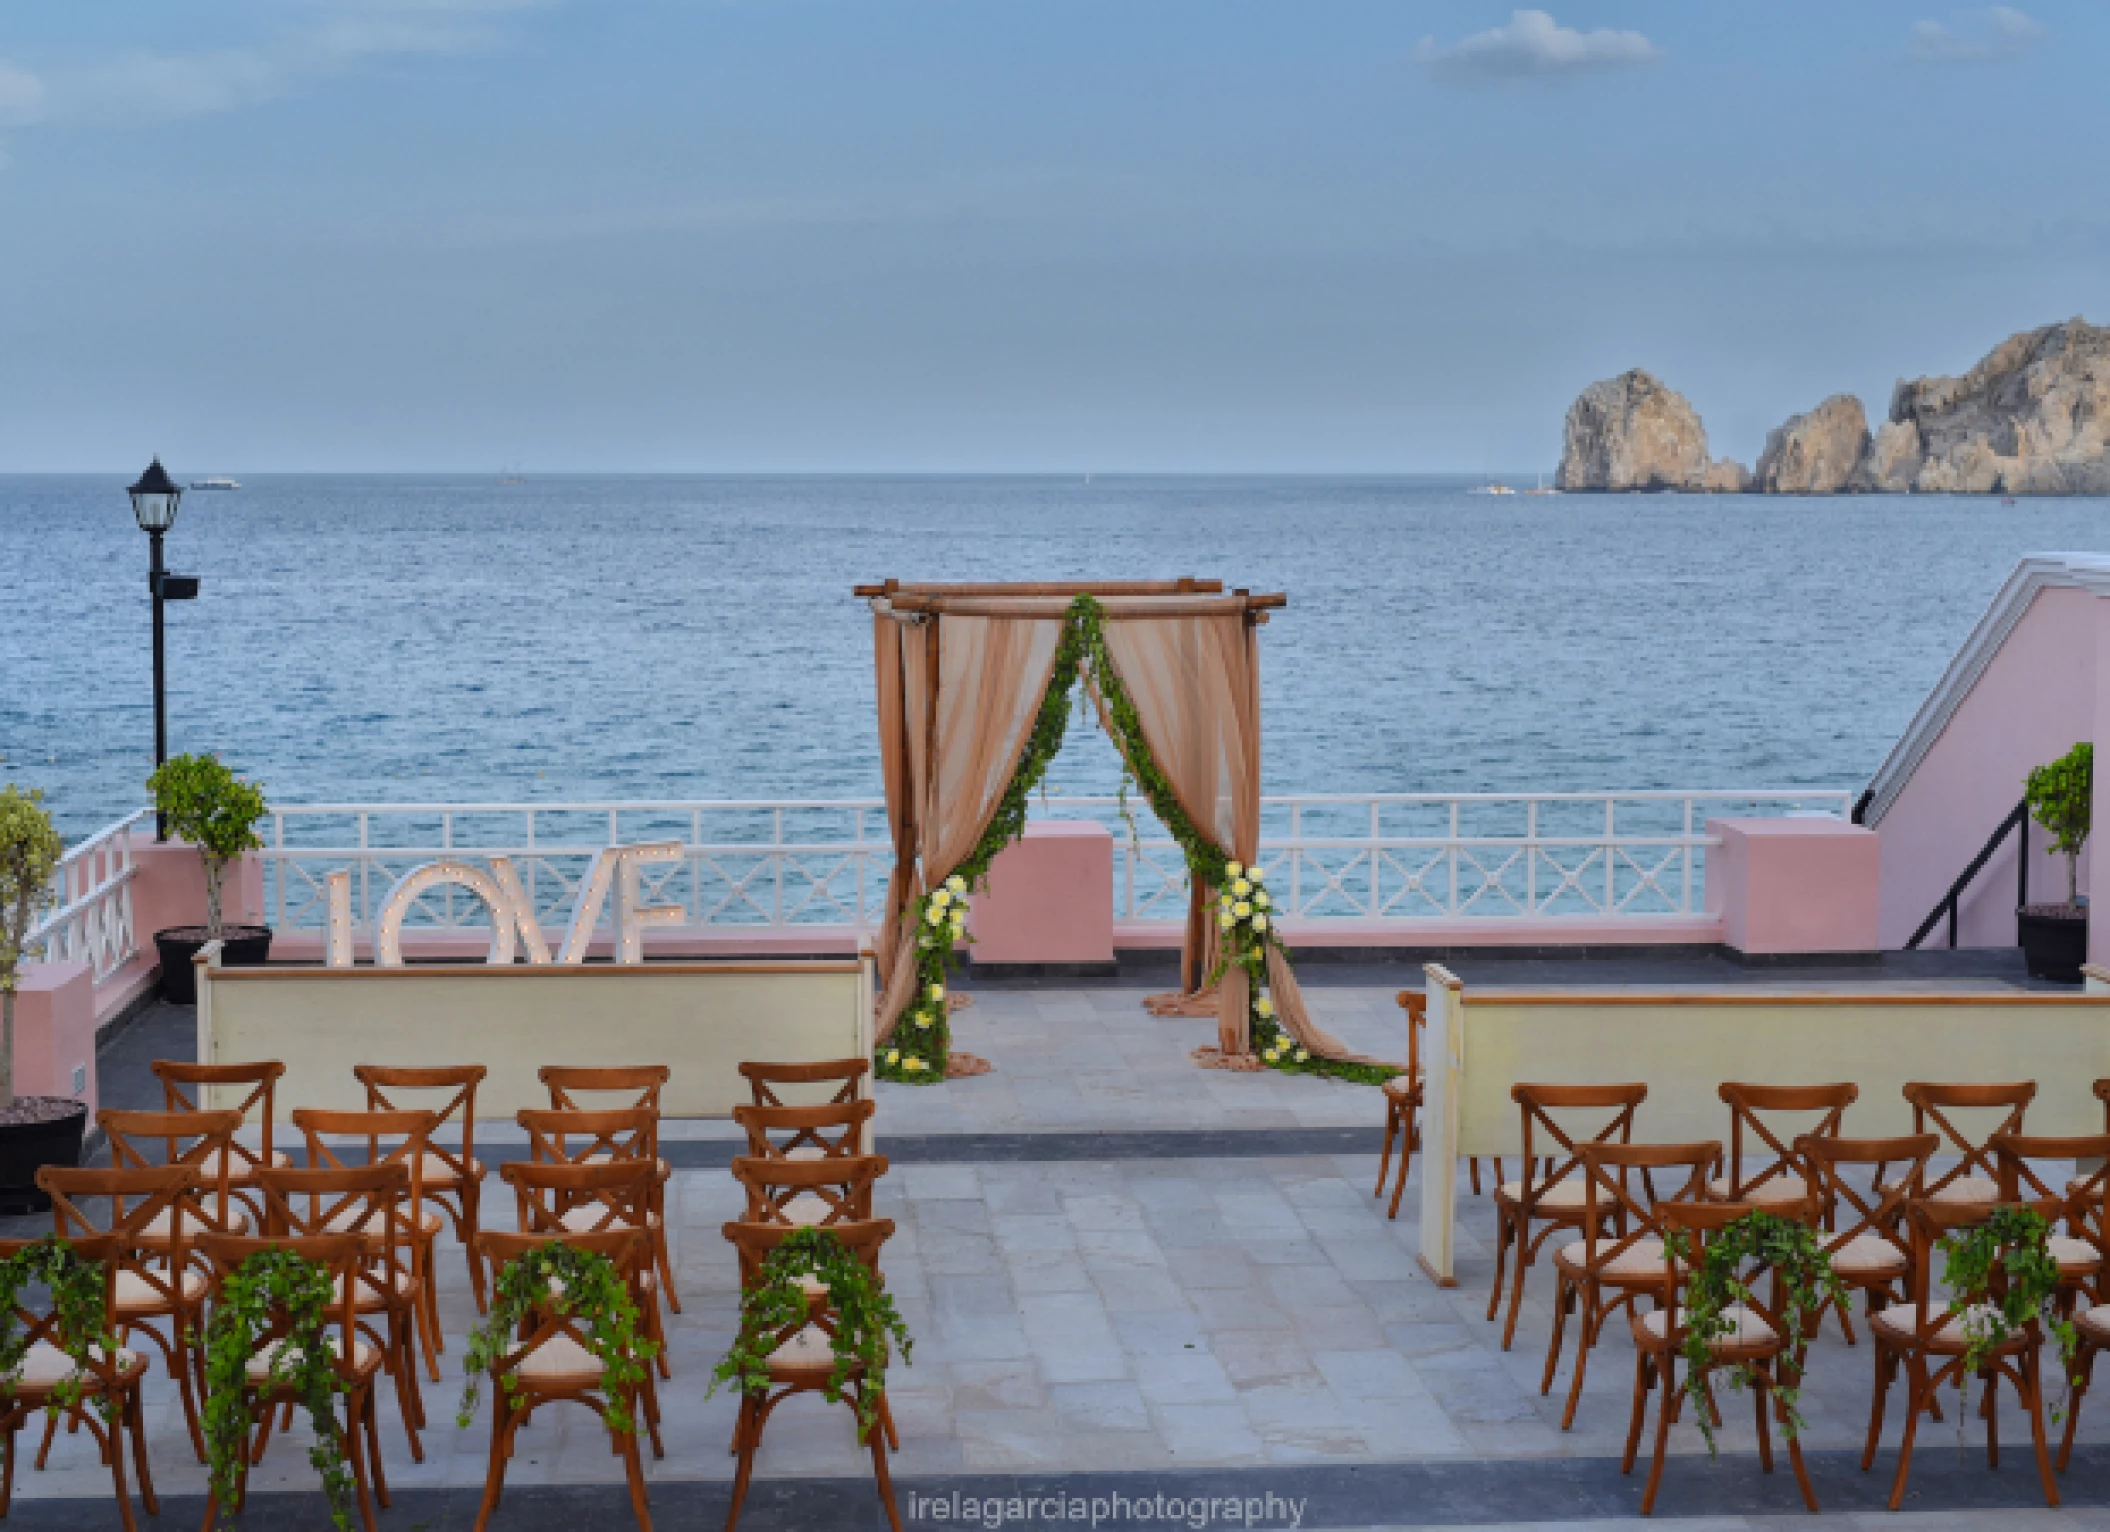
point(2083, 1374)
point(2032, 1390)
point(7, 1461)
point(1384, 1158)
point(355, 1453)
point(634, 1470)
point(1916, 1371)
point(1473, 1168)
point(1662, 1448)
point(1406, 1158)
point(1886, 1369)
point(1643, 1378)
point(1759, 1399)
point(745, 1436)
point(51, 1431)
point(1516, 1291)
point(372, 1411)
point(1802, 1471)
point(879, 1472)
point(1588, 1323)
point(1564, 1295)
point(1502, 1233)
point(403, 1364)
point(115, 1442)
point(495, 1473)
point(886, 1419)
point(471, 1223)
point(1988, 1405)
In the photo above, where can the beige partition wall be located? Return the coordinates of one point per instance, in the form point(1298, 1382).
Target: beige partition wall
point(700, 1019)
point(1684, 1044)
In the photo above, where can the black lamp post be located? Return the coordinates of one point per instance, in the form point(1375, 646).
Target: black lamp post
point(154, 500)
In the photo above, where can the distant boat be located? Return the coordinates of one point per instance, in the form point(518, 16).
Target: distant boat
point(1491, 487)
point(1542, 490)
point(215, 484)
point(510, 476)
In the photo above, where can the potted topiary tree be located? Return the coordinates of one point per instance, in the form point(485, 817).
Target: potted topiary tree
point(216, 811)
point(34, 1130)
point(2061, 794)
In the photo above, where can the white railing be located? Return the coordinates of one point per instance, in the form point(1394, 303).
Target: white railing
point(771, 864)
point(90, 920)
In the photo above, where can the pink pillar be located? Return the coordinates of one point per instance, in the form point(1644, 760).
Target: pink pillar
point(169, 889)
point(55, 1031)
point(1794, 885)
point(1050, 897)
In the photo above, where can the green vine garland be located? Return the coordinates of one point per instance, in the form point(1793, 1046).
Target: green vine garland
point(270, 1282)
point(579, 1283)
point(83, 1326)
point(863, 1313)
point(1804, 1278)
point(2012, 1239)
point(916, 1054)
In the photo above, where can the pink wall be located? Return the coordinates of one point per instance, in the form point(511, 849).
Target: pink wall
point(1050, 897)
point(169, 889)
point(2038, 696)
point(1794, 885)
point(55, 1030)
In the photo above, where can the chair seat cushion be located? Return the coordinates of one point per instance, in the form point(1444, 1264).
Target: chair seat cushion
point(441, 1176)
point(2073, 1255)
point(155, 1231)
point(1643, 1259)
point(430, 1222)
point(1404, 1087)
point(807, 1354)
point(1901, 1321)
point(240, 1172)
point(807, 1210)
point(2096, 1321)
point(1565, 1196)
point(1751, 1329)
point(137, 1296)
point(371, 1296)
point(588, 1216)
point(1967, 1191)
point(1769, 1193)
point(46, 1366)
point(364, 1357)
point(805, 1152)
point(1869, 1255)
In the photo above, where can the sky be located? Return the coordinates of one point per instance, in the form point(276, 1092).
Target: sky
point(997, 235)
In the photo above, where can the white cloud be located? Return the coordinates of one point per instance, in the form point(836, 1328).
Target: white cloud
point(1974, 37)
point(1534, 45)
point(21, 96)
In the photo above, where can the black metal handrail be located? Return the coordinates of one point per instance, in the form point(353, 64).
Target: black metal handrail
point(2017, 819)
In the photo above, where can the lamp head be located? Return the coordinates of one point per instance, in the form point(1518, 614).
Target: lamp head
point(154, 499)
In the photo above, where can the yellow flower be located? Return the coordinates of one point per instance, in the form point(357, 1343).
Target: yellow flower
point(1264, 1006)
point(1241, 888)
point(1303, 1055)
point(916, 1064)
point(922, 1020)
point(1272, 1055)
point(940, 899)
point(1260, 900)
point(1256, 874)
point(1227, 920)
point(937, 992)
point(1241, 909)
point(1234, 869)
point(893, 1055)
point(1260, 922)
point(956, 884)
point(934, 915)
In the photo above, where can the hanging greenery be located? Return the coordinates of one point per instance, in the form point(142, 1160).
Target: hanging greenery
point(1758, 1242)
point(2014, 1240)
point(269, 1283)
point(864, 1320)
point(83, 1326)
point(921, 1043)
point(580, 1284)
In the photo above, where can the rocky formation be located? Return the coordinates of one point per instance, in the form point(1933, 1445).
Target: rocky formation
point(1815, 453)
point(2033, 418)
point(1893, 458)
point(1631, 432)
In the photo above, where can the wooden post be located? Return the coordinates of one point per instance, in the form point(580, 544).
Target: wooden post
point(1443, 1063)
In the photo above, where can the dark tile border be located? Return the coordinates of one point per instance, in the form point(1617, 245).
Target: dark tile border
point(1426, 1494)
point(1025, 1148)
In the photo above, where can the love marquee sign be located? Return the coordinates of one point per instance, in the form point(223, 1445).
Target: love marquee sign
point(514, 928)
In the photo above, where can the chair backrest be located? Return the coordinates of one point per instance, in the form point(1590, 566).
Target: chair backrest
point(565, 1198)
point(832, 1132)
point(639, 1083)
point(754, 1242)
point(341, 1255)
point(1935, 1104)
point(34, 1325)
point(411, 1131)
point(1416, 1005)
point(564, 1136)
point(846, 1074)
point(842, 1184)
point(1693, 1227)
point(182, 1088)
point(628, 1250)
point(137, 1197)
point(1772, 1144)
point(1876, 1211)
point(1608, 1174)
point(202, 1140)
point(2080, 1198)
point(1546, 1137)
point(1927, 1221)
point(387, 1085)
point(371, 1201)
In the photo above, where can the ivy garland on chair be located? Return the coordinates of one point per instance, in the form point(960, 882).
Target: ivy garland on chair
point(1794, 1254)
point(272, 1281)
point(83, 1326)
point(582, 1284)
point(920, 1046)
point(2016, 1240)
point(861, 1312)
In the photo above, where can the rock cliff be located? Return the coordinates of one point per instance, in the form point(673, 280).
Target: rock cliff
point(1814, 453)
point(2033, 418)
point(1631, 432)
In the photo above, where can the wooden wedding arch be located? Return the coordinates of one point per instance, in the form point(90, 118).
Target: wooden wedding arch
point(974, 684)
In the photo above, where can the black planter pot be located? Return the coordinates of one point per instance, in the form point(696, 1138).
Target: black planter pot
point(2054, 940)
point(26, 1147)
point(240, 947)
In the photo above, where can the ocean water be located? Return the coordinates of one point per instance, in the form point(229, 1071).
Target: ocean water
point(429, 638)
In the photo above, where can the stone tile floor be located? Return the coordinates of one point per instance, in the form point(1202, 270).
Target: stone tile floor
point(1153, 1316)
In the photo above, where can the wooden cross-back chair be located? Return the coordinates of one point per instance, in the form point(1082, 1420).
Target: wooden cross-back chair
point(183, 1087)
point(2088, 1221)
point(1404, 1096)
point(638, 1086)
point(1554, 1196)
point(1974, 1179)
point(395, 1138)
point(809, 1193)
point(847, 1075)
point(357, 1363)
point(594, 1197)
point(373, 1202)
point(1758, 1342)
point(834, 1131)
point(1606, 1270)
point(155, 1280)
point(199, 1140)
point(454, 1176)
point(2076, 1241)
point(1925, 1341)
point(1865, 1242)
point(103, 1374)
point(552, 1364)
point(803, 1360)
point(1783, 1174)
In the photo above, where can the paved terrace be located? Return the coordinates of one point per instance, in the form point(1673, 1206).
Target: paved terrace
point(1129, 1277)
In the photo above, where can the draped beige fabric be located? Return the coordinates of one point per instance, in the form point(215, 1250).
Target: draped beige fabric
point(1195, 683)
point(966, 734)
point(887, 637)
